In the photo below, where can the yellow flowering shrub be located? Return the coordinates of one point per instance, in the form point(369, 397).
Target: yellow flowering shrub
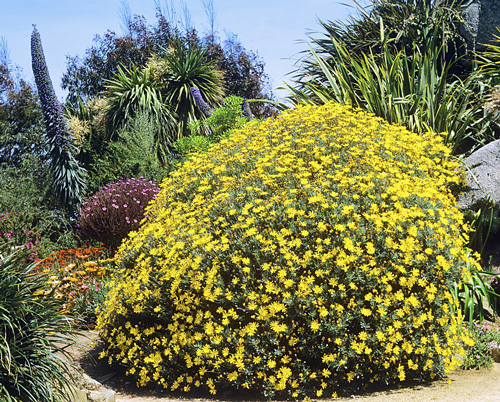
point(303, 255)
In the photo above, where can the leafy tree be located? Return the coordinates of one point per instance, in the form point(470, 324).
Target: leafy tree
point(86, 76)
point(21, 124)
point(243, 72)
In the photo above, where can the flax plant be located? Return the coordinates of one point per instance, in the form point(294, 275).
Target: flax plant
point(412, 88)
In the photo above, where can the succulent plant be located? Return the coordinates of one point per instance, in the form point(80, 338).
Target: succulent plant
point(68, 175)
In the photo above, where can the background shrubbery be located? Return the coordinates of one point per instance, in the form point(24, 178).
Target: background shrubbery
point(303, 255)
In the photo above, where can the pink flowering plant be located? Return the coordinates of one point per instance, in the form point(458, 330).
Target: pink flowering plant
point(114, 211)
point(14, 233)
point(479, 354)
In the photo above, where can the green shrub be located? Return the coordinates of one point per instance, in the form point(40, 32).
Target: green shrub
point(191, 144)
point(13, 234)
point(219, 125)
point(33, 338)
point(306, 254)
point(222, 120)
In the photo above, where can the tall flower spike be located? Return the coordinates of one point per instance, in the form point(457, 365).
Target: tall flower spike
point(52, 111)
point(200, 102)
point(247, 111)
point(68, 175)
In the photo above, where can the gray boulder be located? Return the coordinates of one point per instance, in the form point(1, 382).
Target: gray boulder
point(495, 351)
point(483, 177)
point(482, 17)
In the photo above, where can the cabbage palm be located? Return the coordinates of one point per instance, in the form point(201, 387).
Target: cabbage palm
point(186, 68)
point(132, 92)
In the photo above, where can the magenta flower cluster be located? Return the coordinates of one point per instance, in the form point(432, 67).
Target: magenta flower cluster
point(110, 214)
point(11, 232)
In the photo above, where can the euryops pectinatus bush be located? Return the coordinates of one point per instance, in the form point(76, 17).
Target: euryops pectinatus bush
point(115, 210)
point(302, 255)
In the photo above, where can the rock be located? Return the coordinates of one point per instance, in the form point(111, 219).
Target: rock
point(89, 390)
point(103, 395)
point(495, 351)
point(483, 177)
point(481, 18)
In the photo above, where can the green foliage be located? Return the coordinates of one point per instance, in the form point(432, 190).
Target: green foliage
point(33, 338)
point(479, 355)
point(413, 88)
point(14, 235)
point(21, 123)
point(222, 120)
point(226, 118)
point(25, 193)
point(306, 255)
point(135, 150)
point(192, 144)
point(475, 293)
point(219, 125)
point(132, 153)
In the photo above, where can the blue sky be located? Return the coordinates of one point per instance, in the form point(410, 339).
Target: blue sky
point(271, 28)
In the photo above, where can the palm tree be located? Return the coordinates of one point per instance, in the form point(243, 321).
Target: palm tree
point(132, 92)
point(164, 91)
point(185, 68)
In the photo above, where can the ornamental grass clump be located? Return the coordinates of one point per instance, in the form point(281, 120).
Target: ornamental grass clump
point(309, 254)
point(110, 214)
point(34, 336)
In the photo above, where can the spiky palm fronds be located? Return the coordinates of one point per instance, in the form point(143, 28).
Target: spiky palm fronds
point(404, 87)
point(131, 92)
point(186, 68)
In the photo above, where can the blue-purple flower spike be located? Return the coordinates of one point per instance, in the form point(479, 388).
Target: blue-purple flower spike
point(204, 106)
point(51, 108)
point(247, 111)
point(68, 175)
